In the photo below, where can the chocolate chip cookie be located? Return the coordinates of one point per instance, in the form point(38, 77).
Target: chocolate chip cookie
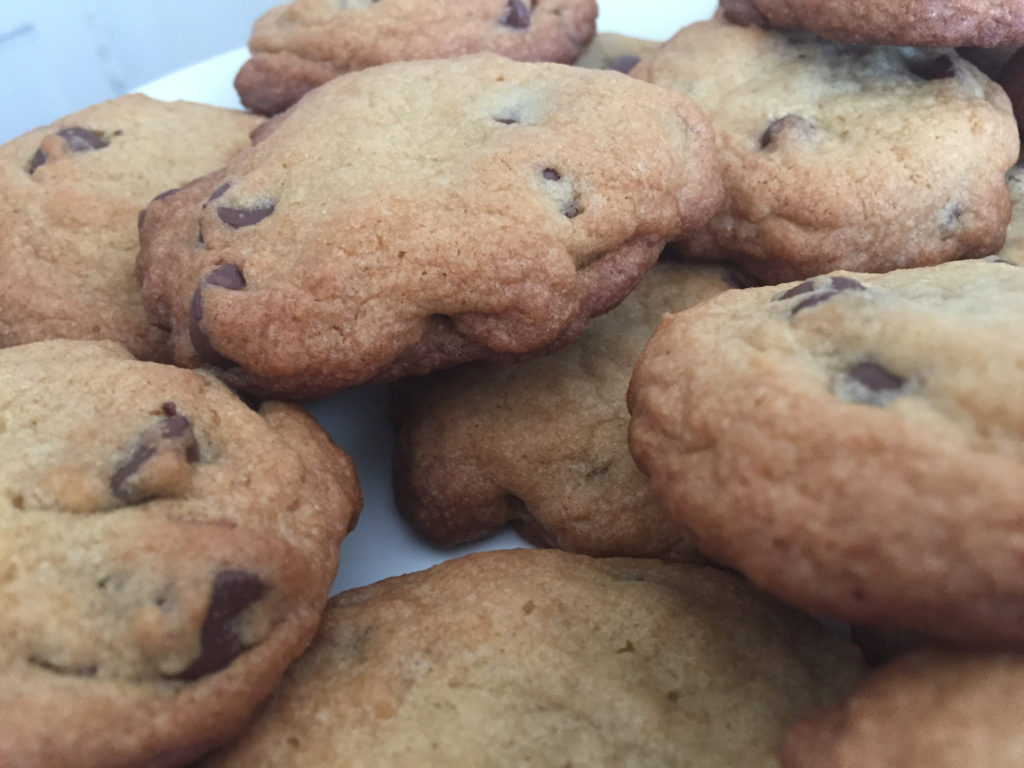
point(987, 23)
point(528, 657)
point(165, 552)
point(420, 214)
point(619, 52)
point(70, 196)
point(542, 444)
point(840, 157)
point(1013, 248)
point(303, 44)
point(931, 709)
point(849, 443)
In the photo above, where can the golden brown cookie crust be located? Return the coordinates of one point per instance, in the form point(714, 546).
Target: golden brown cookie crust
point(837, 157)
point(166, 553)
point(303, 44)
point(928, 23)
point(476, 208)
point(523, 657)
point(841, 446)
point(542, 444)
point(70, 197)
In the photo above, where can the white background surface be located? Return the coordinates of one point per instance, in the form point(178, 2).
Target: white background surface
point(382, 544)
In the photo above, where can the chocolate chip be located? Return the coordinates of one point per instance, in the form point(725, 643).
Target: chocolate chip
point(166, 193)
point(870, 384)
point(791, 125)
point(173, 434)
point(224, 276)
point(938, 68)
point(506, 120)
point(571, 211)
point(516, 15)
point(820, 291)
point(949, 218)
point(233, 591)
point(623, 63)
point(236, 218)
point(77, 140)
point(551, 174)
point(218, 192)
point(875, 377)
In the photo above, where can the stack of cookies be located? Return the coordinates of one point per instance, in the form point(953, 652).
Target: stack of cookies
point(729, 337)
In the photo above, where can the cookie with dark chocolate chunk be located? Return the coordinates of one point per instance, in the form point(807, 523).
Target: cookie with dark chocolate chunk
point(851, 443)
point(417, 215)
point(843, 157)
point(541, 658)
point(303, 44)
point(70, 197)
point(165, 552)
point(929, 23)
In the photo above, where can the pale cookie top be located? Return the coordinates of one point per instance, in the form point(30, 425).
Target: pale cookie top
point(420, 214)
point(542, 444)
point(987, 23)
point(70, 196)
point(931, 709)
point(542, 658)
point(839, 157)
point(165, 552)
point(307, 42)
point(853, 443)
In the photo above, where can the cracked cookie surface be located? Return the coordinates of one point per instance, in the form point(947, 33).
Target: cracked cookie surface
point(527, 657)
point(301, 45)
point(165, 552)
point(843, 157)
point(850, 443)
point(420, 214)
point(70, 196)
point(542, 444)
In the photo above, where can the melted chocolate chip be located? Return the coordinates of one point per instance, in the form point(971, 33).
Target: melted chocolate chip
point(174, 433)
point(623, 63)
point(876, 378)
point(805, 287)
point(938, 68)
point(218, 192)
point(77, 140)
point(516, 15)
point(236, 218)
point(791, 125)
point(225, 276)
point(233, 591)
point(827, 290)
point(506, 120)
point(551, 174)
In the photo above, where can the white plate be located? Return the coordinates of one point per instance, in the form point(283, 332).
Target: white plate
point(382, 544)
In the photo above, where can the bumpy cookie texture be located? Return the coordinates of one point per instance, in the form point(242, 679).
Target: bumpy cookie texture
point(838, 157)
point(842, 446)
point(70, 196)
point(619, 52)
point(987, 23)
point(542, 444)
point(165, 552)
point(528, 657)
point(298, 46)
point(416, 215)
point(931, 709)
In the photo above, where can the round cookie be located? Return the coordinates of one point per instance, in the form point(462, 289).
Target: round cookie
point(839, 157)
point(852, 443)
point(619, 52)
point(542, 444)
point(421, 214)
point(301, 45)
point(931, 709)
point(930, 23)
point(542, 658)
point(70, 196)
point(165, 552)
